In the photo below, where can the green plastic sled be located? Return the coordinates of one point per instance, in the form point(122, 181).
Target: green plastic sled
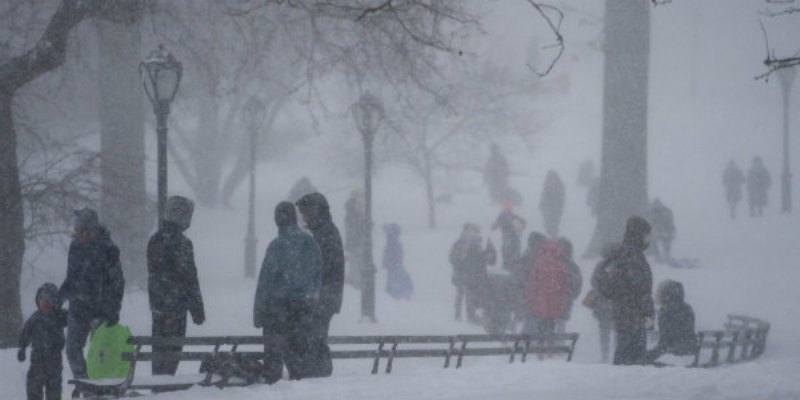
point(105, 352)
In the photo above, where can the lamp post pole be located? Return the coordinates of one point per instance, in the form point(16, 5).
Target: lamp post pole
point(253, 114)
point(368, 112)
point(786, 76)
point(161, 76)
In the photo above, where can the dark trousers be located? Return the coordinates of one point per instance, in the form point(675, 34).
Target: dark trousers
point(289, 349)
point(79, 326)
point(44, 380)
point(605, 326)
point(167, 324)
point(631, 346)
point(320, 363)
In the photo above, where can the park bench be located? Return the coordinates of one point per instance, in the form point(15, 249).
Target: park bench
point(451, 348)
point(742, 339)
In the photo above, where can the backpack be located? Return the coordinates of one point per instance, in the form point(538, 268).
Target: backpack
point(548, 295)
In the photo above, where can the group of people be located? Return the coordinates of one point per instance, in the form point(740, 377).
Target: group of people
point(299, 290)
point(757, 182)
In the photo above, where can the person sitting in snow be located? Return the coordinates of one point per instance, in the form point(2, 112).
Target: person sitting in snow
point(675, 323)
point(44, 332)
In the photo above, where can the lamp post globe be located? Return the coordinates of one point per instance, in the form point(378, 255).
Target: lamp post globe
point(161, 75)
point(252, 118)
point(368, 113)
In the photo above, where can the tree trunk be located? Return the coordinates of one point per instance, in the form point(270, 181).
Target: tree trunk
point(124, 195)
point(623, 174)
point(208, 155)
point(429, 193)
point(12, 228)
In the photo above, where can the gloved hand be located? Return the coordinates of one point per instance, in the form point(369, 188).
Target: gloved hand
point(21, 355)
point(649, 323)
point(198, 317)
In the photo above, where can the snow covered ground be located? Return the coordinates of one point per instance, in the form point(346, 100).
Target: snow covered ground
point(701, 115)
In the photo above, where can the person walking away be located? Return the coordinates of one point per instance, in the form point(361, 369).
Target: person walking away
point(547, 289)
point(733, 180)
point(496, 175)
point(317, 215)
point(44, 332)
point(511, 226)
point(601, 306)
point(663, 230)
point(94, 285)
point(625, 278)
point(675, 323)
point(172, 285)
point(286, 297)
point(469, 261)
point(552, 203)
point(758, 184)
point(398, 281)
point(574, 283)
point(355, 231)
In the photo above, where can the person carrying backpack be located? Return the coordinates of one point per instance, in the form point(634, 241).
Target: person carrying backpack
point(94, 285)
point(625, 279)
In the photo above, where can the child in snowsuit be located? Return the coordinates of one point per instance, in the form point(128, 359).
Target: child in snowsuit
point(675, 323)
point(44, 331)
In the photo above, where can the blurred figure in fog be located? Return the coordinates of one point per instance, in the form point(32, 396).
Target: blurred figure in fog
point(522, 279)
point(733, 180)
point(355, 234)
point(758, 183)
point(302, 187)
point(552, 203)
point(511, 226)
point(663, 230)
point(574, 283)
point(469, 260)
point(496, 174)
point(601, 307)
point(398, 282)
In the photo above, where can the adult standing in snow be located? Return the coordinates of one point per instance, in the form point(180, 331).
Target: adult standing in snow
point(758, 184)
point(172, 283)
point(733, 180)
point(522, 279)
point(398, 282)
point(355, 234)
point(511, 226)
point(496, 175)
point(663, 230)
point(574, 283)
point(469, 260)
point(625, 278)
point(286, 298)
point(317, 215)
point(601, 306)
point(552, 203)
point(94, 285)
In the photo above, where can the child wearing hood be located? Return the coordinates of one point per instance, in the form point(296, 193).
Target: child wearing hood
point(44, 332)
point(675, 323)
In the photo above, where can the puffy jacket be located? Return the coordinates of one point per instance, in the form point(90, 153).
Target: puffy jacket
point(94, 278)
point(172, 282)
point(290, 276)
point(675, 321)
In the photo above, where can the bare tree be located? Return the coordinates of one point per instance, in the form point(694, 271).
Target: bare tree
point(47, 54)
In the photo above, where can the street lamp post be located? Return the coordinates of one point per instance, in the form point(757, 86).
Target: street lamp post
point(253, 115)
point(368, 112)
point(786, 76)
point(161, 75)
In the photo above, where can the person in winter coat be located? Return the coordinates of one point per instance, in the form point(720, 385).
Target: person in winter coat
point(574, 283)
point(172, 283)
point(625, 278)
point(663, 230)
point(758, 184)
point(469, 260)
point(522, 278)
point(317, 215)
point(398, 282)
point(675, 323)
point(552, 203)
point(286, 297)
point(496, 175)
point(548, 295)
point(601, 306)
point(733, 180)
point(511, 226)
point(355, 235)
point(94, 285)
point(44, 332)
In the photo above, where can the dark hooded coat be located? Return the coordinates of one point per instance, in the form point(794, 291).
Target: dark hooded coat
point(44, 332)
point(317, 212)
point(675, 321)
